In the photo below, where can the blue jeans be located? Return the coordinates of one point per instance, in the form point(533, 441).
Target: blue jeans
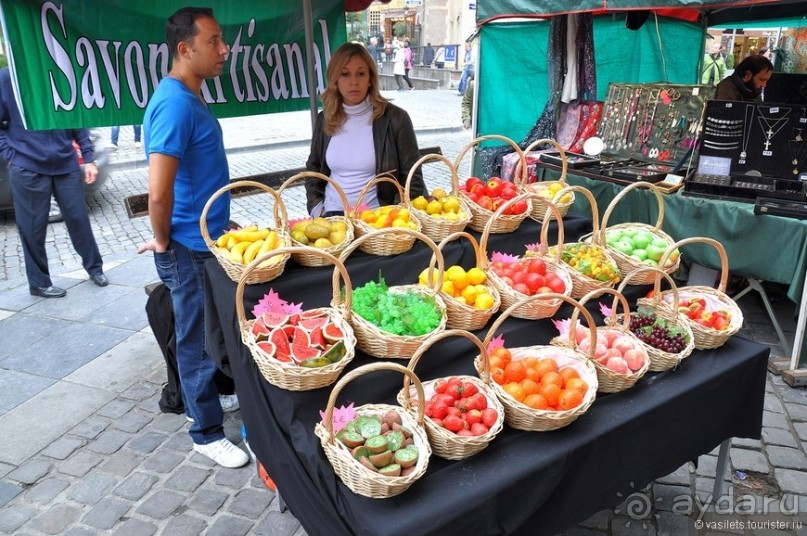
point(183, 272)
point(467, 71)
point(116, 134)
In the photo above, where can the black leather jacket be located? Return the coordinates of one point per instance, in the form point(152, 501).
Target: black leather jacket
point(396, 151)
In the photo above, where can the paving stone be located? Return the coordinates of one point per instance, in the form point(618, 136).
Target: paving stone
point(680, 476)
point(250, 503)
point(626, 526)
point(139, 391)
point(794, 395)
point(5, 469)
point(801, 430)
point(707, 465)
point(791, 481)
point(277, 524)
point(63, 447)
point(116, 409)
point(749, 460)
point(147, 442)
point(207, 501)
point(92, 488)
point(107, 513)
point(185, 525)
point(132, 422)
point(136, 486)
point(777, 436)
point(13, 518)
point(772, 403)
point(599, 520)
point(122, 463)
point(136, 527)
point(46, 490)
point(748, 443)
point(229, 526)
point(181, 443)
point(787, 457)
point(80, 531)
point(797, 412)
point(109, 441)
point(161, 504)
point(90, 427)
point(667, 498)
point(235, 478)
point(163, 461)
point(669, 523)
point(55, 520)
point(168, 422)
point(79, 464)
point(774, 420)
point(30, 471)
point(187, 478)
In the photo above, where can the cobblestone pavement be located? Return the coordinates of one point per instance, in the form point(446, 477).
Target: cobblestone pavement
point(84, 448)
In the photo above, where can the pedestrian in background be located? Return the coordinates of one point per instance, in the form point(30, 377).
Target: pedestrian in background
point(358, 135)
point(187, 165)
point(467, 105)
point(399, 68)
point(41, 164)
point(408, 65)
point(116, 134)
point(428, 55)
point(714, 67)
point(467, 69)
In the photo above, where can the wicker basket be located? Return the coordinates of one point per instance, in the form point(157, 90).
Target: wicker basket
point(291, 376)
point(459, 314)
point(707, 337)
point(659, 359)
point(610, 381)
point(370, 339)
point(523, 417)
point(438, 228)
point(353, 474)
point(303, 257)
point(534, 309)
point(627, 263)
point(386, 243)
point(583, 284)
point(539, 203)
point(444, 443)
point(480, 216)
point(234, 271)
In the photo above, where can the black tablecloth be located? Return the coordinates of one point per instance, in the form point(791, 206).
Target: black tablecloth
point(524, 482)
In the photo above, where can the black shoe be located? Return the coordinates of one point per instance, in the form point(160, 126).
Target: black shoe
point(48, 292)
point(100, 280)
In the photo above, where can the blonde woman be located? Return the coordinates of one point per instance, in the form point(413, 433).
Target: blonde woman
point(359, 135)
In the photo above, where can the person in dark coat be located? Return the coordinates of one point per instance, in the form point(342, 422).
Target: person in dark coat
point(428, 55)
point(359, 135)
point(748, 80)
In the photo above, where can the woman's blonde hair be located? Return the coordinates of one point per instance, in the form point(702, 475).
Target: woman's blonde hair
point(331, 98)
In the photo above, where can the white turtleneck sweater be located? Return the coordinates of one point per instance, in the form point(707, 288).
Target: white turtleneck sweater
point(351, 157)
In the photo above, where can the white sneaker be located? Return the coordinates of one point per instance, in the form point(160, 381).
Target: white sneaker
point(138, 144)
point(224, 453)
point(229, 403)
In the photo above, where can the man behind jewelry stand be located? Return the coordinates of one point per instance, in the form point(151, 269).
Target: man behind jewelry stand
point(43, 164)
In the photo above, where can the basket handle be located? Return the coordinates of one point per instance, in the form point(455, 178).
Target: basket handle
point(384, 177)
point(438, 283)
point(595, 213)
point(479, 257)
point(497, 137)
point(279, 223)
point(721, 251)
point(641, 184)
point(552, 208)
point(564, 164)
point(546, 296)
point(364, 369)
point(656, 286)
point(413, 361)
point(340, 268)
point(315, 175)
point(455, 183)
point(596, 293)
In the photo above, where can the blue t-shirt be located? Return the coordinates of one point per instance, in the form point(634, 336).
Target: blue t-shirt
point(178, 124)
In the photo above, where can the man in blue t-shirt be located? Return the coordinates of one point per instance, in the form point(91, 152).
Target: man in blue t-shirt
point(187, 165)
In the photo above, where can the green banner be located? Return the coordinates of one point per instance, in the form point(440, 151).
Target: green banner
point(90, 63)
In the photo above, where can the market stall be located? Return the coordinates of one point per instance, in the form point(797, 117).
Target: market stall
point(523, 482)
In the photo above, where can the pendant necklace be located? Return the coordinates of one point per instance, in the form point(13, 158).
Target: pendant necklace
point(746, 130)
point(798, 149)
point(770, 132)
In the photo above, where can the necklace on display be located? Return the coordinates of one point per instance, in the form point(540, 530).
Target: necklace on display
point(770, 132)
point(746, 131)
point(798, 150)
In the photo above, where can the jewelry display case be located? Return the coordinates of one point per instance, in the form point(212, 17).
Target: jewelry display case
point(753, 150)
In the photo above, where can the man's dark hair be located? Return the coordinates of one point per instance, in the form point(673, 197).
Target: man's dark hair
point(181, 26)
point(753, 64)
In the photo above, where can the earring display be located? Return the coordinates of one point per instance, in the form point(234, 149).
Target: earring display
point(752, 150)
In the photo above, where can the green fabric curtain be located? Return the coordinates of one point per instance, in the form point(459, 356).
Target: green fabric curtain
point(512, 84)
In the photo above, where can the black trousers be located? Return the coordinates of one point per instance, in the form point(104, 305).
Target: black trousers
point(31, 193)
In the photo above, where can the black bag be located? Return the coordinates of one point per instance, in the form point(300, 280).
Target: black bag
point(160, 313)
